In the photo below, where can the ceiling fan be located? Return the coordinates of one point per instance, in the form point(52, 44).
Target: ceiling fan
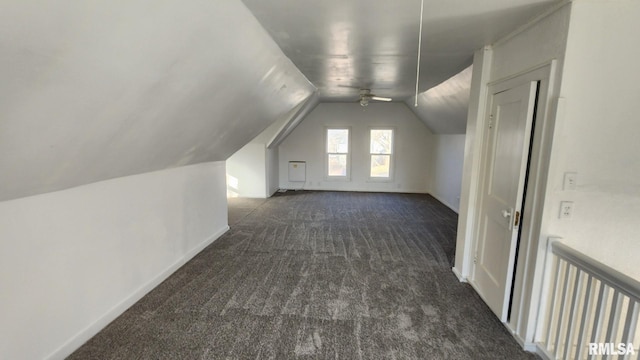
point(366, 96)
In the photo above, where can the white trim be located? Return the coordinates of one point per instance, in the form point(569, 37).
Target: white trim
point(309, 105)
point(272, 193)
point(526, 346)
point(542, 137)
point(465, 240)
point(538, 72)
point(392, 155)
point(496, 90)
point(529, 24)
point(395, 191)
point(87, 333)
point(614, 279)
point(542, 352)
point(531, 249)
point(457, 273)
point(529, 254)
point(327, 153)
point(546, 264)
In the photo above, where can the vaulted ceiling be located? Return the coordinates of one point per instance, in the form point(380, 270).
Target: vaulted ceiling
point(343, 46)
point(93, 90)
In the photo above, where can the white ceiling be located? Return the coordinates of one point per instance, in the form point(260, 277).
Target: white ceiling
point(342, 46)
point(93, 90)
point(443, 108)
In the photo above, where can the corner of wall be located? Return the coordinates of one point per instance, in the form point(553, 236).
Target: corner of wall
point(482, 61)
point(458, 274)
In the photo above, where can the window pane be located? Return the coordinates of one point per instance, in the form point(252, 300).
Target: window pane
point(380, 165)
point(338, 141)
point(381, 141)
point(337, 165)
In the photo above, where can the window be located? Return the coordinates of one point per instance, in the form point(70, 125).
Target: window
point(338, 153)
point(381, 148)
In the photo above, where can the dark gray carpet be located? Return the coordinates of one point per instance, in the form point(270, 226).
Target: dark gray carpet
point(317, 275)
point(241, 207)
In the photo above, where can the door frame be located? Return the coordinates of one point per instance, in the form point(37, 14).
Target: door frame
point(526, 282)
point(523, 171)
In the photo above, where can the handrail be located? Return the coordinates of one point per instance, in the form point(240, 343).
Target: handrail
point(590, 304)
point(606, 274)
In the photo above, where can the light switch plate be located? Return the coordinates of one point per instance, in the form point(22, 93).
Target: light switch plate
point(570, 179)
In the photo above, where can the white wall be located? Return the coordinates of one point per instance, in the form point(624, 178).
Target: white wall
point(93, 92)
point(246, 176)
point(447, 169)
point(592, 122)
point(539, 43)
point(471, 164)
point(273, 171)
point(71, 261)
point(539, 48)
point(253, 170)
point(443, 108)
point(597, 135)
point(413, 147)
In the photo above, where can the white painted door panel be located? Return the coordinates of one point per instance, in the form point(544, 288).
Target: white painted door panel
point(503, 174)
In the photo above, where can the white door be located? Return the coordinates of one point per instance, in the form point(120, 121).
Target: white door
point(504, 165)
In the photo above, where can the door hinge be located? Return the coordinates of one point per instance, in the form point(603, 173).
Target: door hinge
point(475, 259)
point(491, 121)
point(517, 219)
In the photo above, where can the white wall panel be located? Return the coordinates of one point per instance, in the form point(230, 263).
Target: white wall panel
point(447, 169)
point(246, 172)
point(597, 135)
point(413, 148)
point(92, 91)
point(73, 260)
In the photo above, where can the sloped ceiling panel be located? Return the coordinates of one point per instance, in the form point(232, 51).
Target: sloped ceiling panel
point(443, 108)
point(91, 90)
point(344, 46)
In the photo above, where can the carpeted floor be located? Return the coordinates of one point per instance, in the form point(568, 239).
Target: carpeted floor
point(317, 275)
point(241, 207)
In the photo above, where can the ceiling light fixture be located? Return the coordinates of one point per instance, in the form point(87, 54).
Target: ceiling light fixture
point(419, 50)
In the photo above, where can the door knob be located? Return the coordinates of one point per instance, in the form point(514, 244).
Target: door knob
point(506, 214)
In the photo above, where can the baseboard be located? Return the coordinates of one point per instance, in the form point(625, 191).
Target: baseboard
point(527, 346)
point(457, 273)
point(475, 288)
point(445, 203)
point(530, 347)
point(90, 331)
point(542, 352)
point(273, 192)
point(195, 251)
point(393, 191)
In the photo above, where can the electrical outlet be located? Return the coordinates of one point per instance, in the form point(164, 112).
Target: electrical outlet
point(570, 179)
point(566, 209)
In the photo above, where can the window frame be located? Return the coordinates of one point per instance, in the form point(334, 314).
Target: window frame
point(392, 157)
point(328, 177)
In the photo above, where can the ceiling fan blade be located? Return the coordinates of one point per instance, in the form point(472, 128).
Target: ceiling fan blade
point(380, 98)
